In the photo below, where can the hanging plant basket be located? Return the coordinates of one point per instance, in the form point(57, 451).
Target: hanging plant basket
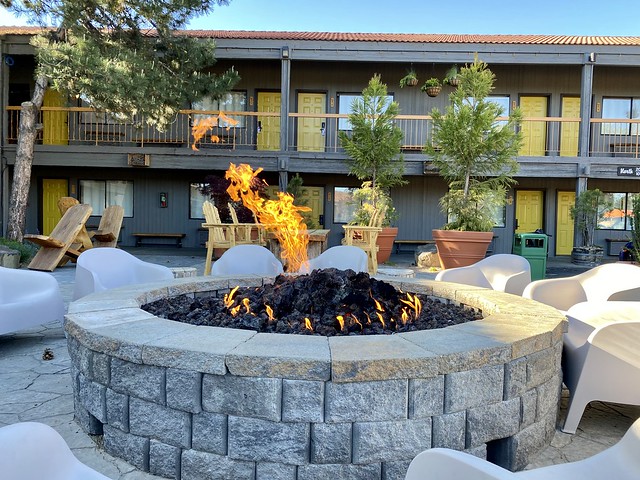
point(412, 82)
point(454, 81)
point(433, 91)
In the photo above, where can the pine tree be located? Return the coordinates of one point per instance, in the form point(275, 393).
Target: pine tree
point(126, 57)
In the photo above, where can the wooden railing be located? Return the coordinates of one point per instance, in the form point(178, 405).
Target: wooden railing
point(543, 136)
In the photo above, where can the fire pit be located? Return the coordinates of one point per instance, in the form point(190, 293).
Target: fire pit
point(185, 401)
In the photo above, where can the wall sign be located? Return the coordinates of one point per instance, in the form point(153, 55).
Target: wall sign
point(629, 171)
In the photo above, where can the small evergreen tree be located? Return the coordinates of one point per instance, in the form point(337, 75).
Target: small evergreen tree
point(474, 152)
point(374, 144)
point(586, 212)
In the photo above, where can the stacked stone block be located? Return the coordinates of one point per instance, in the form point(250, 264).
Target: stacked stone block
point(309, 415)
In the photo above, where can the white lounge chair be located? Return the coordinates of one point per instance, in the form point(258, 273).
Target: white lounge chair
point(503, 272)
point(601, 356)
point(28, 299)
point(247, 260)
point(103, 268)
point(619, 462)
point(342, 257)
point(611, 281)
point(35, 451)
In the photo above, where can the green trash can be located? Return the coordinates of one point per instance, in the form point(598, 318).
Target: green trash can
point(533, 247)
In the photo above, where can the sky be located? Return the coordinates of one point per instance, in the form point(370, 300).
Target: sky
point(560, 17)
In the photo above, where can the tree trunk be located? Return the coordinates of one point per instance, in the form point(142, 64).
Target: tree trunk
point(24, 159)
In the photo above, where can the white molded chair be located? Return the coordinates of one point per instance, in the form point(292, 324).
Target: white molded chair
point(503, 272)
point(611, 281)
point(103, 268)
point(247, 260)
point(27, 299)
point(619, 462)
point(601, 356)
point(35, 451)
point(342, 257)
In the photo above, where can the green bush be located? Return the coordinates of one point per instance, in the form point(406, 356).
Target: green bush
point(27, 250)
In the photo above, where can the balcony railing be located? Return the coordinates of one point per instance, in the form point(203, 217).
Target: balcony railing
point(543, 136)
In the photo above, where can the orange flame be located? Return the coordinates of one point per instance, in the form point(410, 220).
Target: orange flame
point(414, 302)
point(357, 321)
point(404, 316)
point(269, 311)
point(280, 216)
point(378, 305)
point(381, 319)
point(245, 304)
point(340, 319)
point(228, 297)
point(234, 311)
point(307, 324)
point(202, 126)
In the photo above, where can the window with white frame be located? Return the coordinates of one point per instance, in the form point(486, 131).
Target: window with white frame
point(102, 193)
point(229, 102)
point(620, 108)
point(345, 106)
point(196, 200)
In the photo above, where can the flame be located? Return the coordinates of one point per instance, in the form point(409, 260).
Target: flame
point(340, 319)
point(357, 321)
point(228, 297)
point(245, 304)
point(414, 302)
point(280, 216)
point(404, 316)
point(381, 319)
point(307, 324)
point(269, 311)
point(202, 126)
point(378, 305)
point(234, 311)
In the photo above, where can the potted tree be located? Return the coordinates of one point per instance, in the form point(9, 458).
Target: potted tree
point(374, 147)
point(476, 155)
point(409, 80)
point(432, 87)
point(586, 212)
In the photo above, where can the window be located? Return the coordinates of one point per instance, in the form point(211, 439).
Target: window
point(345, 107)
point(230, 102)
point(502, 101)
point(626, 108)
point(196, 199)
point(618, 214)
point(344, 208)
point(101, 193)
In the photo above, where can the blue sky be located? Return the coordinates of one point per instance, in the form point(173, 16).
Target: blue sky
point(562, 17)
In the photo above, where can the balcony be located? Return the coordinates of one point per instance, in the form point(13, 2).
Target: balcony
point(542, 137)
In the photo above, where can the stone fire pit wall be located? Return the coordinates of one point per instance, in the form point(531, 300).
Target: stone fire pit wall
point(190, 402)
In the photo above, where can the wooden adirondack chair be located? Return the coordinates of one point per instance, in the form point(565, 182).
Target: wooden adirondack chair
point(109, 228)
point(245, 231)
point(55, 246)
point(366, 237)
point(221, 235)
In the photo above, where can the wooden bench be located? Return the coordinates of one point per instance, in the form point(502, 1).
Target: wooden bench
point(399, 243)
point(143, 236)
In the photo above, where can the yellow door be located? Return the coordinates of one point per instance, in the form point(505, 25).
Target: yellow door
point(52, 190)
point(528, 210)
point(55, 124)
point(311, 129)
point(269, 127)
point(314, 197)
point(564, 223)
point(569, 130)
point(534, 133)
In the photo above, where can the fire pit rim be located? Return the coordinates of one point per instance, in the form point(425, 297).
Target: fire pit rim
point(112, 322)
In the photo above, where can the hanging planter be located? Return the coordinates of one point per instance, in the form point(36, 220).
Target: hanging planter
point(409, 80)
point(432, 87)
point(451, 77)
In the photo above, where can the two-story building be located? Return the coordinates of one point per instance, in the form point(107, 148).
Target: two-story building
point(580, 97)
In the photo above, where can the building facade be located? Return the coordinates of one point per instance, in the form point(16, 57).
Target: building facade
point(580, 98)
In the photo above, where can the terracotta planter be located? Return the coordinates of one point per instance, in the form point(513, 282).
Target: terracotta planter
point(459, 249)
point(385, 243)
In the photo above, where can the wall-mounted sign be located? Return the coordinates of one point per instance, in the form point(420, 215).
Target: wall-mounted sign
point(629, 171)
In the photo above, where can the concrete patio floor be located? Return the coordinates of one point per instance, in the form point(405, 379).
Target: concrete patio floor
point(32, 389)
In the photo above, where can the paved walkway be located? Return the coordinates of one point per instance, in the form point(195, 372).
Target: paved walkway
point(32, 389)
